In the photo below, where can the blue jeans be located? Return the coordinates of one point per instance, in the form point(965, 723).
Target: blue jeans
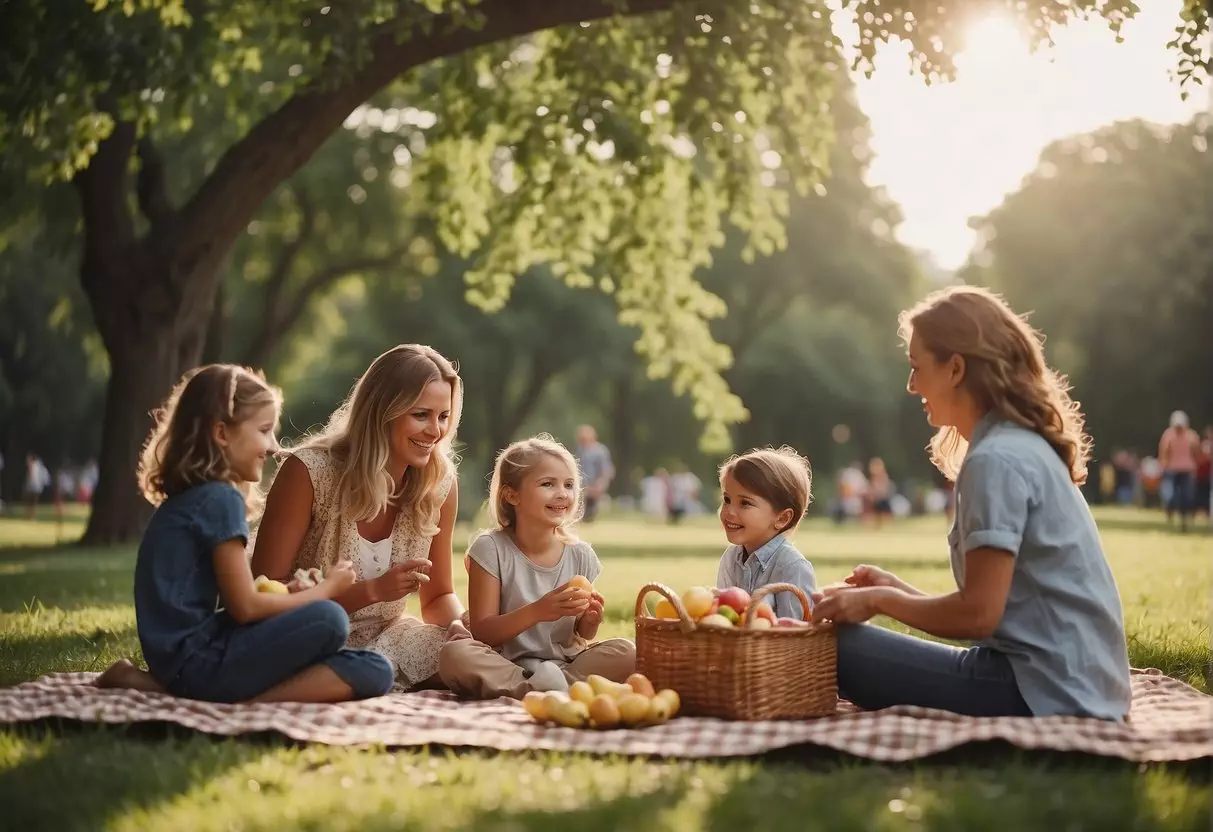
point(879, 668)
point(1182, 496)
point(247, 660)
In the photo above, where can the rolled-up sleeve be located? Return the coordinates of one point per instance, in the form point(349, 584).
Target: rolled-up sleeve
point(992, 504)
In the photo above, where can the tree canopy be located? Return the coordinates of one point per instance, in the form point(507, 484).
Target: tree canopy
point(611, 142)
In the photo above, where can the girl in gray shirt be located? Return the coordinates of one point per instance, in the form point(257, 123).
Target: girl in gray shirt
point(531, 604)
point(1034, 589)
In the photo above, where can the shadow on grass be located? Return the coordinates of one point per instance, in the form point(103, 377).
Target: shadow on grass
point(100, 773)
point(25, 657)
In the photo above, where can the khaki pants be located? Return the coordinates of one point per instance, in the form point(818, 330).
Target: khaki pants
point(475, 670)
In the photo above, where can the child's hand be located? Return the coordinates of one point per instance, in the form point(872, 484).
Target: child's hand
point(587, 627)
point(562, 601)
point(339, 579)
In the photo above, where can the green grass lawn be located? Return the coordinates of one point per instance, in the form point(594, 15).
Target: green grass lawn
point(70, 609)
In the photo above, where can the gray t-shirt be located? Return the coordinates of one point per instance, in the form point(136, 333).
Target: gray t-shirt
point(1063, 627)
point(523, 582)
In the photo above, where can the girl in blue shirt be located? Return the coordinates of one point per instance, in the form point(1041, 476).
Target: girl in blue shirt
point(205, 630)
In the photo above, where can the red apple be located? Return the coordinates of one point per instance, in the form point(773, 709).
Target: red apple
point(735, 597)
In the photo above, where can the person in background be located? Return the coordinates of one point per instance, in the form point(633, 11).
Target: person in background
point(1178, 449)
point(597, 470)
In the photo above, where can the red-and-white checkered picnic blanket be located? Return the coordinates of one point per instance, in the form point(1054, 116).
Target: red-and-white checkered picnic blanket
point(1170, 721)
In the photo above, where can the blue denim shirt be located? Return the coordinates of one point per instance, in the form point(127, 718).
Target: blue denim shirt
point(176, 592)
point(1063, 629)
point(775, 562)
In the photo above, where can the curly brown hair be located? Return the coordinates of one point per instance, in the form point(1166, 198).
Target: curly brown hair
point(181, 451)
point(1005, 372)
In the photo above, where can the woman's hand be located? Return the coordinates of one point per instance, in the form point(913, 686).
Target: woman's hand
point(865, 575)
point(852, 606)
point(400, 580)
point(562, 601)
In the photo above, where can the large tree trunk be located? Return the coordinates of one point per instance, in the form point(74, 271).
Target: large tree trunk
point(145, 363)
point(152, 292)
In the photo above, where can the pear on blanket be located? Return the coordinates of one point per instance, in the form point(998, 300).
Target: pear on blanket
point(603, 686)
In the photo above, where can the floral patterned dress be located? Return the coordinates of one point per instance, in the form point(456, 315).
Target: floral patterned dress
point(407, 641)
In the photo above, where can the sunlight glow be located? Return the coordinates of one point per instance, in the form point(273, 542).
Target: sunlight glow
point(950, 152)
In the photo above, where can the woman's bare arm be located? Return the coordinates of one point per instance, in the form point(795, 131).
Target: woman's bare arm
point(439, 603)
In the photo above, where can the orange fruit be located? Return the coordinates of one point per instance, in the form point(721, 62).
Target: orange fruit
point(581, 582)
point(665, 609)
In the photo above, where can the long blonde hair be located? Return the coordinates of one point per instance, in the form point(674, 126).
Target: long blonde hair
point(513, 465)
point(358, 436)
point(181, 451)
point(1005, 372)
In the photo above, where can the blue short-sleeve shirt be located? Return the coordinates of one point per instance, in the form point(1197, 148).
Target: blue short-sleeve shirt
point(1063, 627)
point(775, 562)
point(176, 592)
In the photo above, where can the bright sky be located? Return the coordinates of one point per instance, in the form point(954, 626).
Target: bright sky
point(949, 152)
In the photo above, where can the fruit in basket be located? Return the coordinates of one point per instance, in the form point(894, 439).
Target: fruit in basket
point(715, 620)
point(698, 601)
point(569, 713)
point(634, 709)
point(763, 610)
point(582, 692)
point(733, 597)
point(603, 686)
point(604, 711)
point(581, 582)
point(729, 613)
point(665, 609)
point(759, 623)
point(641, 684)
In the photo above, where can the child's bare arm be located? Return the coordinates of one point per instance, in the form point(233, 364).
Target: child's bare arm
point(490, 626)
point(246, 605)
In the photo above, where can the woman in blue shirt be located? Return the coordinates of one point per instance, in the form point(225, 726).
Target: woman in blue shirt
point(1034, 589)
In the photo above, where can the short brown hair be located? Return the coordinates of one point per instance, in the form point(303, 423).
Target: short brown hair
point(181, 451)
point(781, 476)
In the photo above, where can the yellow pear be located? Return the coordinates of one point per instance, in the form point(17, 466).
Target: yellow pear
point(672, 699)
point(264, 584)
point(661, 708)
point(536, 704)
point(601, 684)
point(604, 713)
point(570, 713)
point(582, 692)
point(633, 709)
point(641, 684)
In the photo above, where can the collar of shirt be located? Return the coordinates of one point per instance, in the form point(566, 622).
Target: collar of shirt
point(984, 425)
point(763, 553)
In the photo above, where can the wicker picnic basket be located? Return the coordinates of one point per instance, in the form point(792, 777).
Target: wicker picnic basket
point(739, 673)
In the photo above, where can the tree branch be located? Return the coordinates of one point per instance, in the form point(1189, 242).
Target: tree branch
point(541, 370)
point(283, 141)
point(267, 339)
point(151, 185)
point(287, 256)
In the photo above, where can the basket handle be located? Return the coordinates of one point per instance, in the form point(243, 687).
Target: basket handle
point(769, 589)
point(684, 620)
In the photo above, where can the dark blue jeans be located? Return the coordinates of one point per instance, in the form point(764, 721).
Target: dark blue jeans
point(879, 668)
point(247, 660)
